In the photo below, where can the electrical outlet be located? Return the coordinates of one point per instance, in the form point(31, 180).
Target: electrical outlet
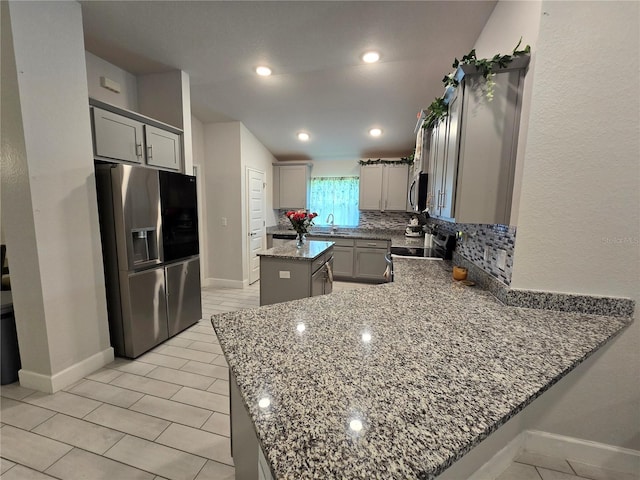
point(502, 259)
point(284, 274)
point(486, 253)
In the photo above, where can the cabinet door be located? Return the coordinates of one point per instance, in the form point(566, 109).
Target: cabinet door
point(318, 280)
point(163, 148)
point(371, 187)
point(439, 164)
point(343, 262)
point(450, 160)
point(432, 189)
point(395, 187)
point(117, 137)
point(370, 263)
point(184, 307)
point(293, 186)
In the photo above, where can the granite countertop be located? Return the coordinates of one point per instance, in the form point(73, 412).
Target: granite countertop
point(384, 383)
point(397, 237)
point(310, 250)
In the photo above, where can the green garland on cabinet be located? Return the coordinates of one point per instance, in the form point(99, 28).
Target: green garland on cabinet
point(438, 108)
point(404, 160)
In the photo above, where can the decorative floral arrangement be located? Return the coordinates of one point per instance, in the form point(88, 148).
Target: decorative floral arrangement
point(301, 220)
point(438, 108)
point(404, 160)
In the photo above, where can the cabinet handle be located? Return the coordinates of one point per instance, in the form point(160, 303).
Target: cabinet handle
point(372, 244)
point(444, 197)
point(138, 149)
point(150, 151)
point(386, 203)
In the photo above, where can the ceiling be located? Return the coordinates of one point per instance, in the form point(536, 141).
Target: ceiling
point(319, 83)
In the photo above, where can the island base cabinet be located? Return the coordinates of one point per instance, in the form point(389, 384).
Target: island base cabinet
point(247, 456)
point(284, 279)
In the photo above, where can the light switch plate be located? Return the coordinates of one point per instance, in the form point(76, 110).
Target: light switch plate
point(502, 259)
point(285, 274)
point(486, 253)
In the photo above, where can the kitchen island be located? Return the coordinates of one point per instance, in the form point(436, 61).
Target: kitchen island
point(383, 383)
point(289, 272)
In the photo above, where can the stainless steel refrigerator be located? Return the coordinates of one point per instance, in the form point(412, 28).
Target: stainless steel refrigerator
point(148, 225)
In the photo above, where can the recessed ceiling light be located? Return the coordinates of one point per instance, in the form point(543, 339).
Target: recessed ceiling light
point(263, 71)
point(371, 57)
point(303, 136)
point(375, 132)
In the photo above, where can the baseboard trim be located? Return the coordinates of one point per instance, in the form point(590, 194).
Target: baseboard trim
point(601, 455)
point(68, 376)
point(501, 460)
point(225, 283)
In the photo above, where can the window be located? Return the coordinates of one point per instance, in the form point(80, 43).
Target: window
point(337, 195)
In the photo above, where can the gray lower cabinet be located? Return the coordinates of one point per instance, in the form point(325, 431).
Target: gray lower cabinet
point(184, 304)
point(284, 279)
point(342, 255)
point(370, 263)
point(343, 262)
point(360, 259)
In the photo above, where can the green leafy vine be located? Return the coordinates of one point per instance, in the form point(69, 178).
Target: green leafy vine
point(438, 108)
point(404, 160)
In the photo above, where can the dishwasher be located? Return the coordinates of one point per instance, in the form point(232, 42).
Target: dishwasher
point(282, 238)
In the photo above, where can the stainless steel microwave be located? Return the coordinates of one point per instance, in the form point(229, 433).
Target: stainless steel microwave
point(418, 193)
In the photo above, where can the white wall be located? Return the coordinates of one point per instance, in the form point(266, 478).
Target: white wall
point(197, 146)
point(167, 97)
point(579, 219)
point(255, 155)
point(509, 22)
point(49, 197)
point(96, 68)
point(223, 187)
point(348, 167)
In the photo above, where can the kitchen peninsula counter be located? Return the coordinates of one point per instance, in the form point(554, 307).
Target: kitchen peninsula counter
point(381, 382)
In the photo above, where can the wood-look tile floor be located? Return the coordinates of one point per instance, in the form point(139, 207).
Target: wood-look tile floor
point(164, 415)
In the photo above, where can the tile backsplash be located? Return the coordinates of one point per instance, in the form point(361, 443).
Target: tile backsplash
point(475, 237)
point(368, 219)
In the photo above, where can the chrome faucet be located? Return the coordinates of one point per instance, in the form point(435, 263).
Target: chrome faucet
point(333, 227)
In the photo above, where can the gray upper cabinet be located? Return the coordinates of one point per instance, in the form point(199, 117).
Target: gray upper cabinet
point(291, 185)
point(163, 148)
point(124, 136)
point(117, 137)
point(383, 187)
point(472, 151)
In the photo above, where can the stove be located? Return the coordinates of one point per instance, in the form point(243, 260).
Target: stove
point(419, 252)
point(443, 246)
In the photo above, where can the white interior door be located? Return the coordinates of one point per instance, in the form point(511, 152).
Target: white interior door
point(256, 221)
